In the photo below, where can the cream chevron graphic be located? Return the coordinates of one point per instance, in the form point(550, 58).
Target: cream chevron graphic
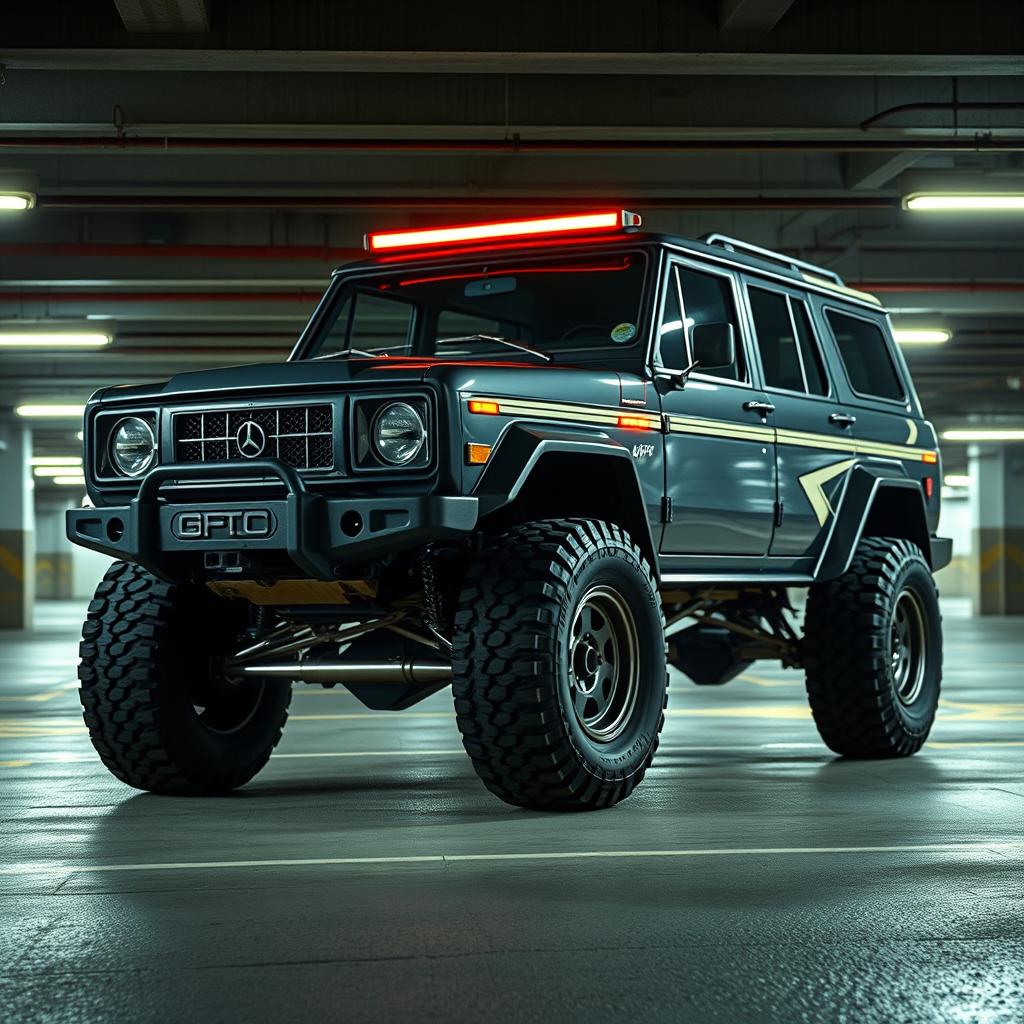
point(814, 487)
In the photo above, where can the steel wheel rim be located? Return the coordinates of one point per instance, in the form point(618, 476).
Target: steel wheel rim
point(907, 646)
point(604, 668)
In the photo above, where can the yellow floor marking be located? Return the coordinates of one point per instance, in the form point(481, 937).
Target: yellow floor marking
point(748, 677)
point(964, 711)
point(751, 711)
point(957, 744)
point(14, 764)
point(34, 698)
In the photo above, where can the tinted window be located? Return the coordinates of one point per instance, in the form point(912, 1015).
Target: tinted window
point(866, 356)
point(786, 343)
point(371, 323)
point(574, 310)
point(776, 340)
point(707, 299)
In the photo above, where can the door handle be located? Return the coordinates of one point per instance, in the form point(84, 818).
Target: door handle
point(762, 407)
point(842, 419)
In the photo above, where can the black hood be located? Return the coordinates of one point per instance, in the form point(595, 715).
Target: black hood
point(273, 378)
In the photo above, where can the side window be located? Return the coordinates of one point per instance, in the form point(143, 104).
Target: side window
point(785, 340)
point(865, 355)
point(707, 299)
point(776, 340)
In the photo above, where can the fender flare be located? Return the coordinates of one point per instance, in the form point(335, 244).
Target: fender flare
point(863, 487)
point(522, 448)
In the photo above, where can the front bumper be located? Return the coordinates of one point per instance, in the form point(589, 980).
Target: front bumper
point(318, 534)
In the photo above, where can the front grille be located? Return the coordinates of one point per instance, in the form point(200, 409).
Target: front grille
point(299, 435)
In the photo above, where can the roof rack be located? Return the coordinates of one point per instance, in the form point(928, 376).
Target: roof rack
point(736, 245)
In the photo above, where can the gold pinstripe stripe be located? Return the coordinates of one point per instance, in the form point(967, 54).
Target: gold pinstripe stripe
point(706, 427)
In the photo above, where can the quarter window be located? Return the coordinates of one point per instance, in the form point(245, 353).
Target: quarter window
point(789, 352)
point(866, 356)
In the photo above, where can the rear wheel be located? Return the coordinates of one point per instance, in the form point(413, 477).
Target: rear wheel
point(160, 713)
point(559, 665)
point(873, 652)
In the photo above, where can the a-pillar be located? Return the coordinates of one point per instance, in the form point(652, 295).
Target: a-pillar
point(997, 520)
point(17, 524)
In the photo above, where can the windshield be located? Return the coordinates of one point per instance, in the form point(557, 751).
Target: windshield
point(567, 311)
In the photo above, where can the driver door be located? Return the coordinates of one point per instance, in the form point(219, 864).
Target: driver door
point(719, 449)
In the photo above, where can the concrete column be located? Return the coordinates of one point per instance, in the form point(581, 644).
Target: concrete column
point(53, 551)
point(17, 525)
point(997, 520)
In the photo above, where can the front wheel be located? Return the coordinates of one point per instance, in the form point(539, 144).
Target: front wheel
point(560, 681)
point(159, 712)
point(873, 652)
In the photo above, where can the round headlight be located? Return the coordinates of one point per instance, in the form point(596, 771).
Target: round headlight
point(399, 433)
point(132, 446)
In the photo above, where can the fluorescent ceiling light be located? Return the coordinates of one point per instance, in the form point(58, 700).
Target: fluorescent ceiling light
point(957, 480)
point(980, 434)
point(53, 339)
point(53, 412)
point(963, 202)
point(55, 460)
point(57, 470)
point(69, 481)
point(16, 201)
point(921, 335)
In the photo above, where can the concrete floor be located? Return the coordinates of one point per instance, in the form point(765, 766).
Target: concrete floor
point(367, 876)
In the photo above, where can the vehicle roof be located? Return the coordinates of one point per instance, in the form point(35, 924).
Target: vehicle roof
point(765, 266)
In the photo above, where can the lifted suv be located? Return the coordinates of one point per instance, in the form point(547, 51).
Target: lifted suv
point(500, 457)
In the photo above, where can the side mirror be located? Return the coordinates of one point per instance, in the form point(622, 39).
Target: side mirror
point(714, 346)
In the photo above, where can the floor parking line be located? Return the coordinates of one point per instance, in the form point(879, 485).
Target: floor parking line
point(999, 847)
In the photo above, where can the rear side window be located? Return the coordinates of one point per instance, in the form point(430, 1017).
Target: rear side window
point(785, 340)
point(865, 355)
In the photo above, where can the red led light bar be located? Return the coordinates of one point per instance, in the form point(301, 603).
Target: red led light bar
point(572, 223)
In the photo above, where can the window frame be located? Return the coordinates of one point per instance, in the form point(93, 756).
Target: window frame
point(671, 274)
point(791, 295)
point(887, 343)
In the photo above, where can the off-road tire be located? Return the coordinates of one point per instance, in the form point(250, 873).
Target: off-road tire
point(147, 655)
point(519, 607)
point(848, 652)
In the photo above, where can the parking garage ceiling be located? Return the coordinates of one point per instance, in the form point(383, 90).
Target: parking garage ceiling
point(202, 166)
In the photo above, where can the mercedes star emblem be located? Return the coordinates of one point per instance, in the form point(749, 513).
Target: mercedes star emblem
point(251, 440)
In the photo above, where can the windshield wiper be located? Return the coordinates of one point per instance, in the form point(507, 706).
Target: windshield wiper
point(521, 346)
point(353, 352)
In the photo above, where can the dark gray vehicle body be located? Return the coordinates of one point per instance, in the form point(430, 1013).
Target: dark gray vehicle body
point(712, 489)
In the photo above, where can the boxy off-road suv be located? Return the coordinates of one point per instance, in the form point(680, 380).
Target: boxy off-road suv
point(499, 458)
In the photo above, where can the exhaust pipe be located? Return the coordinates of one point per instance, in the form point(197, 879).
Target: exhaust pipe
point(406, 671)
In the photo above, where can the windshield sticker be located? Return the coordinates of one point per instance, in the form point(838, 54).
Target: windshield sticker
point(623, 333)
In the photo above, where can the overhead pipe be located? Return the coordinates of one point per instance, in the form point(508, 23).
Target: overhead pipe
point(512, 144)
point(98, 250)
point(362, 203)
point(952, 107)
